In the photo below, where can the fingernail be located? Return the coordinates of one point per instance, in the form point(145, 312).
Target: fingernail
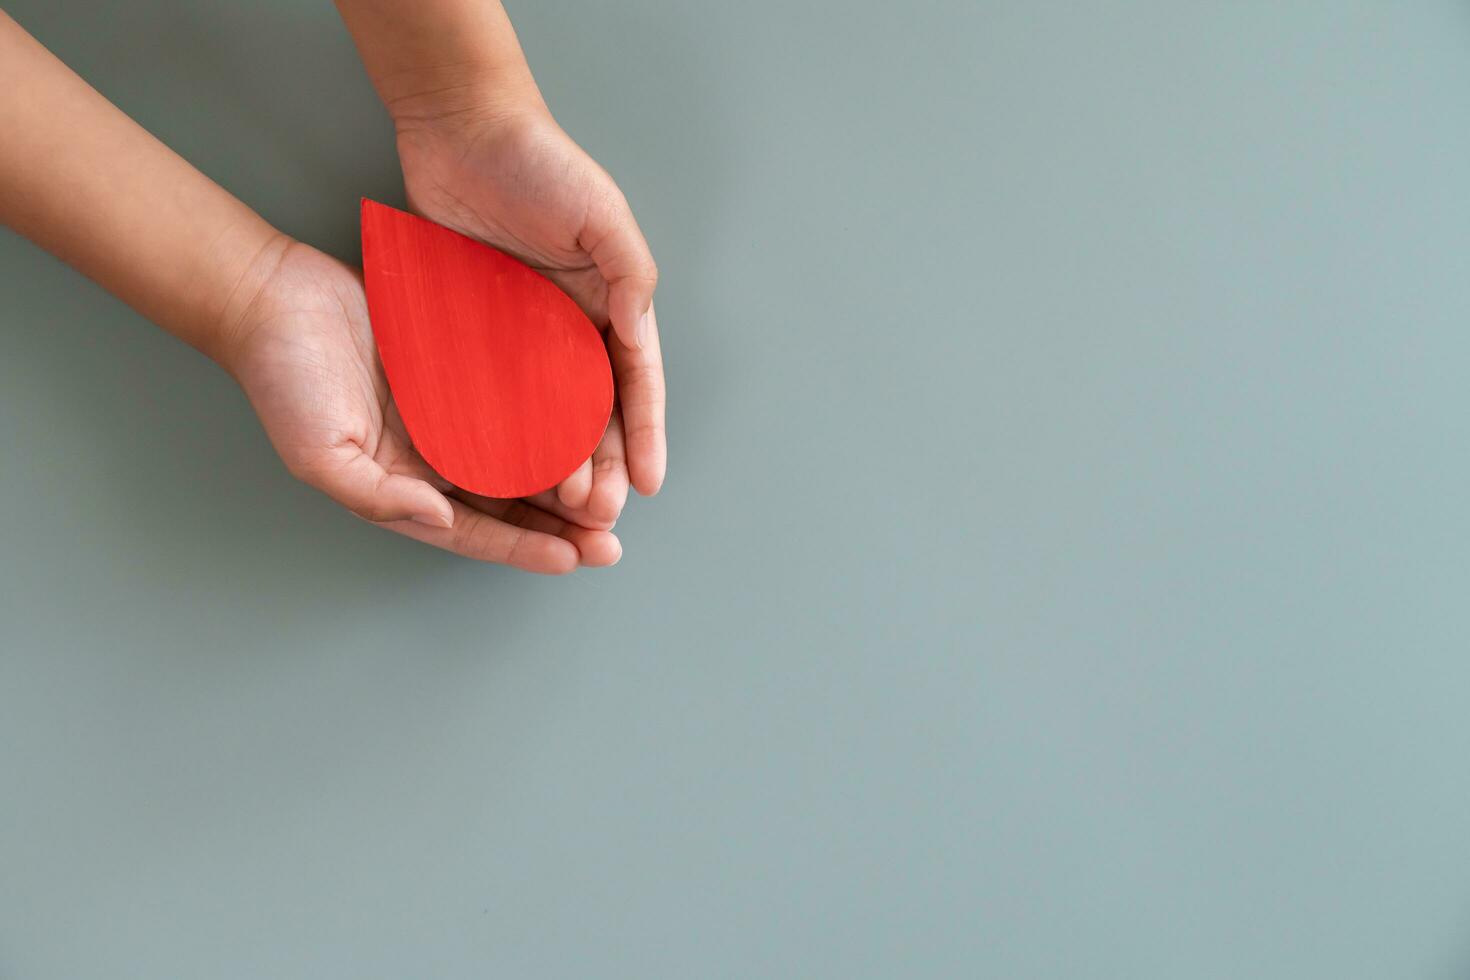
point(642, 331)
point(434, 520)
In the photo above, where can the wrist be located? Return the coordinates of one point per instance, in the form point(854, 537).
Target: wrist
point(462, 96)
point(432, 60)
point(255, 263)
point(426, 140)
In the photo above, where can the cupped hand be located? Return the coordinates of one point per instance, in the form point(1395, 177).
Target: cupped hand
point(515, 180)
point(303, 351)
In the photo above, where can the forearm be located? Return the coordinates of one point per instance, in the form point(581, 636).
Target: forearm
point(432, 59)
point(85, 182)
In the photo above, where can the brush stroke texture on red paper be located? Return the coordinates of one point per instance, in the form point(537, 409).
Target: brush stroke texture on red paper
point(502, 381)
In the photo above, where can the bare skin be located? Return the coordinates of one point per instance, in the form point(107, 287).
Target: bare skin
point(480, 153)
point(521, 184)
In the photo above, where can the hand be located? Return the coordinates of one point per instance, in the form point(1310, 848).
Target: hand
point(514, 179)
point(303, 351)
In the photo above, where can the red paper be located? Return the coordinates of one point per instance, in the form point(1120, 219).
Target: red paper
point(502, 381)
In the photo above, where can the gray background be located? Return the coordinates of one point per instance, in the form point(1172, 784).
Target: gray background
point(1061, 572)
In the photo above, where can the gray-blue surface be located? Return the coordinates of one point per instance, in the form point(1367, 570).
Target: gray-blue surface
point(1062, 570)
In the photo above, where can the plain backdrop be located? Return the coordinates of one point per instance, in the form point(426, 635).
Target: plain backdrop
point(1062, 570)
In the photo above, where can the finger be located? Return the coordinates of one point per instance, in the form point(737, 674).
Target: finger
point(609, 475)
point(357, 482)
point(609, 491)
point(597, 548)
point(548, 501)
point(574, 490)
point(612, 238)
point(486, 537)
point(593, 547)
point(640, 377)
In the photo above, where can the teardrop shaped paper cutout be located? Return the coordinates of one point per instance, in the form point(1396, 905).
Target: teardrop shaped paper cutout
point(502, 381)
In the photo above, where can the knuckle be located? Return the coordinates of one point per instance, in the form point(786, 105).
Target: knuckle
point(643, 431)
point(515, 512)
point(515, 539)
point(645, 379)
point(462, 537)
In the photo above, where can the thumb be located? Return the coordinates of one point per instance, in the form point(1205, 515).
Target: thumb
point(372, 493)
point(615, 243)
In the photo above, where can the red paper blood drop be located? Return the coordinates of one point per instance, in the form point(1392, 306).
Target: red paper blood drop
point(501, 379)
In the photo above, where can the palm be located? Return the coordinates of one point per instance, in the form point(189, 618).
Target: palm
point(310, 369)
point(525, 189)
